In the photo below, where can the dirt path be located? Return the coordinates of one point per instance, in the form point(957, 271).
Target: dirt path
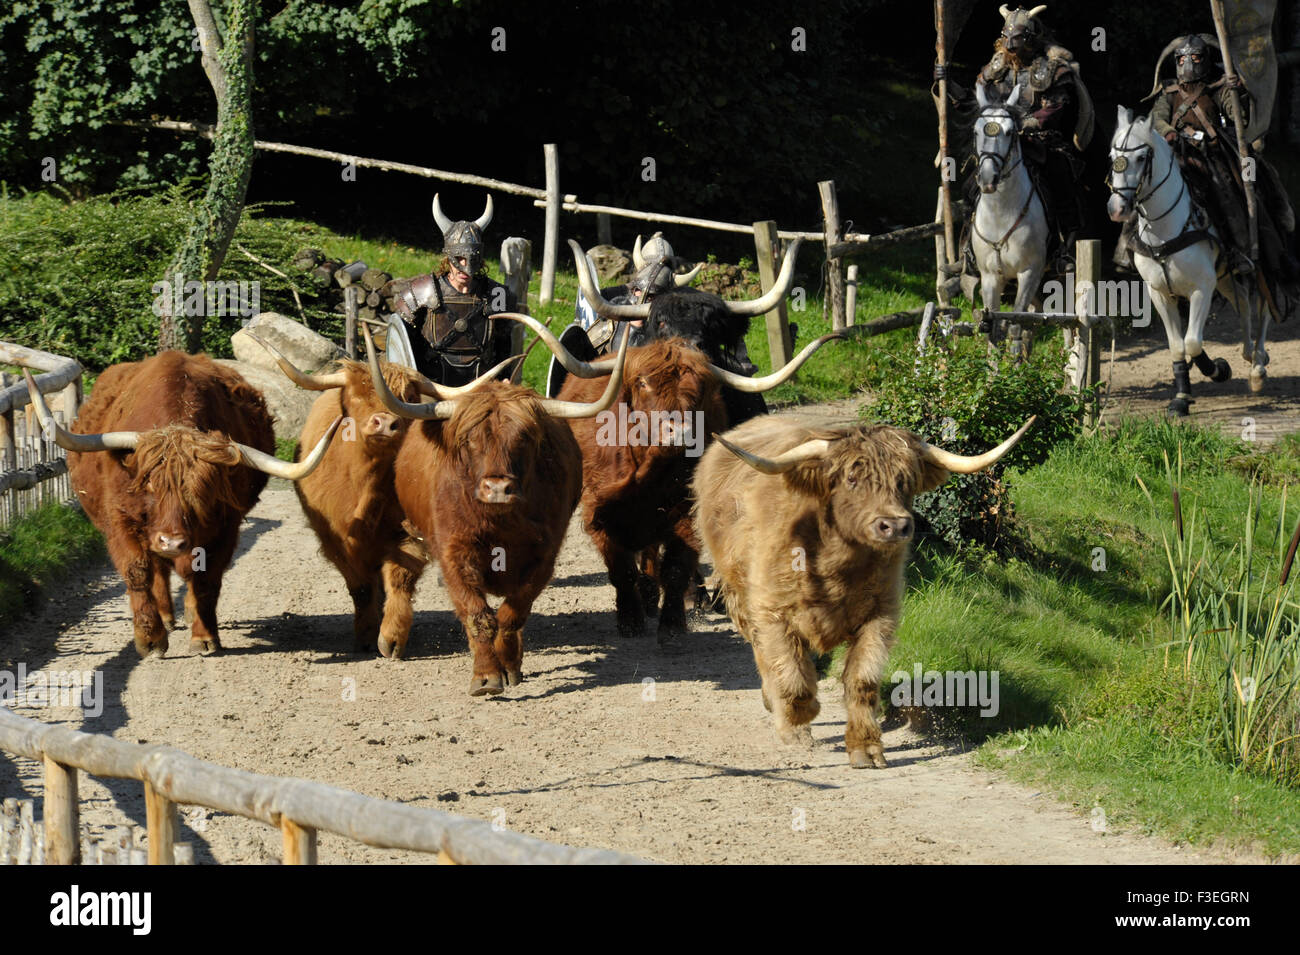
point(1142, 382)
point(664, 753)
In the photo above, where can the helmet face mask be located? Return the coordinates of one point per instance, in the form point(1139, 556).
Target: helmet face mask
point(463, 246)
point(1022, 34)
point(656, 277)
point(1192, 59)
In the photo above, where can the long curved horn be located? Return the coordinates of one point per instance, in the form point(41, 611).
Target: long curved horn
point(581, 409)
point(1037, 10)
point(572, 364)
point(686, 278)
point(444, 224)
point(448, 392)
point(603, 308)
point(1004, 11)
point(769, 300)
point(961, 464)
point(768, 382)
point(483, 220)
point(299, 377)
point(638, 260)
point(1160, 62)
point(439, 409)
point(108, 441)
point(288, 470)
point(782, 463)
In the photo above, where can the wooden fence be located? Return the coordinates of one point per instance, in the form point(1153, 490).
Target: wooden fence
point(32, 467)
point(299, 808)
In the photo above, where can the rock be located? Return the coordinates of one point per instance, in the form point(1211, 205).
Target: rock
point(298, 343)
point(288, 404)
point(613, 265)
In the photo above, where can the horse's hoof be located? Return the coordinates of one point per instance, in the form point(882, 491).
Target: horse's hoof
point(1257, 377)
point(1180, 407)
point(1222, 370)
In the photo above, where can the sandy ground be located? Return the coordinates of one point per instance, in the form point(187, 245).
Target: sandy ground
point(1142, 380)
point(665, 753)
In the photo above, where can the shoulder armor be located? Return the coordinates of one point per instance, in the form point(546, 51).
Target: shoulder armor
point(996, 67)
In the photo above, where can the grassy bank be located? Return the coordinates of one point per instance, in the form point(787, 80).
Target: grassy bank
point(1095, 703)
point(37, 549)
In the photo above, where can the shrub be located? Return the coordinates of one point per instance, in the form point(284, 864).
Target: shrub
point(968, 400)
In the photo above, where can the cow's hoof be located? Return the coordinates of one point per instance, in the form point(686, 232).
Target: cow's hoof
point(799, 737)
point(205, 647)
point(391, 648)
point(767, 704)
point(168, 621)
point(513, 677)
point(872, 758)
point(1180, 408)
point(155, 653)
point(1257, 378)
point(1222, 370)
point(485, 685)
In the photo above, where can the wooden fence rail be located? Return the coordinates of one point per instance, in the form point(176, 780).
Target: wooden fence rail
point(32, 467)
point(298, 807)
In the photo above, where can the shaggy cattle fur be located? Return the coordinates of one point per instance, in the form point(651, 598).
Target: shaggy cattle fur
point(182, 490)
point(813, 558)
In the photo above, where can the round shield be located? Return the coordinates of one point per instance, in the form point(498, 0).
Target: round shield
point(398, 349)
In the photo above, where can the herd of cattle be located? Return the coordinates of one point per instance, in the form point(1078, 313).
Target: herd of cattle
point(808, 526)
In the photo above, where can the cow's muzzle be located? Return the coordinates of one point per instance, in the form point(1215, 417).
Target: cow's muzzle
point(893, 530)
point(498, 490)
point(169, 545)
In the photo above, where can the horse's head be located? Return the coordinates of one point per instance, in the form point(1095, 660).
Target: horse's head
point(997, 137)
point(1133, 153)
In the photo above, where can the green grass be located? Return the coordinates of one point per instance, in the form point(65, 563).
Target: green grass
point(37, 549)
point(1094, 701)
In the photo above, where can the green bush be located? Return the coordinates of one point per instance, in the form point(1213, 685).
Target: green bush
point(967, 401)
point(77, 278)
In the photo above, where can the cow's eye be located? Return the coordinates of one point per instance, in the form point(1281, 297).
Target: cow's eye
point(643, 384)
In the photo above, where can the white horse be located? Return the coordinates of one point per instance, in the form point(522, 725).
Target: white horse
point(1009, 227)
point(1178, 255)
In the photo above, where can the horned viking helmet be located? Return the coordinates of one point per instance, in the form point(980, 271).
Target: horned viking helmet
point(1021, 29)
point(656, 249)
point(650, 280)
point(463, 239)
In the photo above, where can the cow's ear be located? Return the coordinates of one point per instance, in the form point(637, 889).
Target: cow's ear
point(809, 478)
point(929, 475)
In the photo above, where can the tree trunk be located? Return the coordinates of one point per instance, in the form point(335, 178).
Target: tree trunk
point(229, 66)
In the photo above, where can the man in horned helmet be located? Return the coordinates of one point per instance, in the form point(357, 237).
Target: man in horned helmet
point(1058, 122)
point(1195, 115)
point(448, 312)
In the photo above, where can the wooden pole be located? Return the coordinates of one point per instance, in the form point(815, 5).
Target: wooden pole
point(941, 101)
point(940, 256)
point(160, 815)
point(1087, 273)
point(851, 295)
point(834, 277)
point(551, 242)
point(299, 843)
point(350, 295)
point(62, 826)
point(1239, 125)
point(779, 345)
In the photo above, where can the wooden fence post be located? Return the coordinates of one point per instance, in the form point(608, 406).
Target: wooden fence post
point(516, 270)
point(834, 277)
point(941, 280)
point(350, 295)
point(299, 843)
point(778, 323)
point(851, 295)
point(160, 816)
point(62, 826)
point(551, 242)
point(1087, 349)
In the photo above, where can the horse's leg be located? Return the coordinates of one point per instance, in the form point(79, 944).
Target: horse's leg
point(1168, 310)
point(1026, 297)
point(1198, 312)
point(991, 285)
point(1259, 358)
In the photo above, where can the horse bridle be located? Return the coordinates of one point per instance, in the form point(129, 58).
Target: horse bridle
point(1000, 158)
point(1120, 163)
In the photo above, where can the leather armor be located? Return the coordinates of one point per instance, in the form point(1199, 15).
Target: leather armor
point(455, 337)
